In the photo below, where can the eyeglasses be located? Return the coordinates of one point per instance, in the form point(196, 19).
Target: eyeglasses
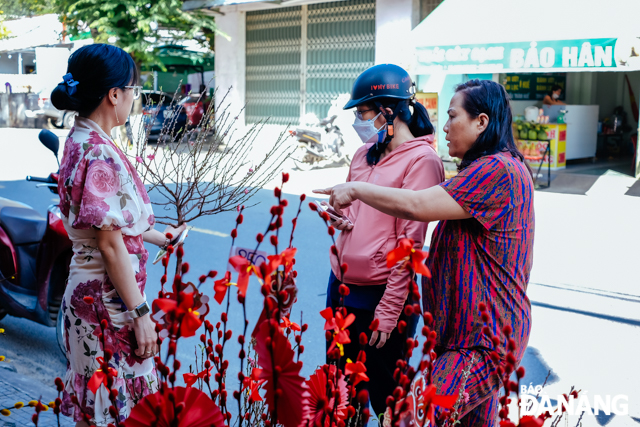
point(358, 114)
point(136, 91)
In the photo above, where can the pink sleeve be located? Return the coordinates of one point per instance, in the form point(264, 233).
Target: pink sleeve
point(426, 172)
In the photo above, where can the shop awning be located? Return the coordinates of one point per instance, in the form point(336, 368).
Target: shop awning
point(177, 58)
point(493, 36)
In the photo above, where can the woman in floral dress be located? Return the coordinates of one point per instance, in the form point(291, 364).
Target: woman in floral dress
point(107, 214)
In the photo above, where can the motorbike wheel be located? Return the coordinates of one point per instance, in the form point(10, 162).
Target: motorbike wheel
point(69, 120)
point(60, 333)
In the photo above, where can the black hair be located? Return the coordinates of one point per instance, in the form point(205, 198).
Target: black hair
point(418, 123)
point(490, 98)
point(555, 88)
point(97, 68)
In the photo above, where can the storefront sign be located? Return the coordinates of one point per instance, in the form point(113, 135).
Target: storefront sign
point(554, 55)
point(534, 86)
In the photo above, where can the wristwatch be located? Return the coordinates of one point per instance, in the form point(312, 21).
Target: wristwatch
point(140, 310)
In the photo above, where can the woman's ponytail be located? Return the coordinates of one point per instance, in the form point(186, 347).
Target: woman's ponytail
point(419, 124)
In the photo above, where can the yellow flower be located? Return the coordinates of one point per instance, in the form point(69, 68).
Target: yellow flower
point(33, 403)
point(19, 405)
point(45, 407)
point(1, 358)
point(1, 331)
point(52, 404)
point(5, 412)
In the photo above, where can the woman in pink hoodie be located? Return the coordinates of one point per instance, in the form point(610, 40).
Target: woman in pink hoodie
point(398, 153)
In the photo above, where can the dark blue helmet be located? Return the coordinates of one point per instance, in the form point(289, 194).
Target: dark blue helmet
point(381, 81)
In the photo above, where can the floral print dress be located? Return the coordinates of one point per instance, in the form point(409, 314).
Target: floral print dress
point(99, 189)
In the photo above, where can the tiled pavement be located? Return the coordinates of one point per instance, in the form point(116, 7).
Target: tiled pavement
point(18, 388)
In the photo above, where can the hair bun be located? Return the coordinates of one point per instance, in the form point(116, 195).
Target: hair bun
point(61, 99)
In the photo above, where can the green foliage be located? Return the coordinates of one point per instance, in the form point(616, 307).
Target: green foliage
point(13, 9)
point(4, 33)
point(135, 25)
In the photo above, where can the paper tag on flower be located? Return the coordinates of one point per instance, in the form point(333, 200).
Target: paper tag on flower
point(257, 257)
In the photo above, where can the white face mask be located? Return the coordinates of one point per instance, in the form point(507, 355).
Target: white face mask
point(367, 131)
point(555, 96)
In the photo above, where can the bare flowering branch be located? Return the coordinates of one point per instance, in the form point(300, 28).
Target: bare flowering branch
point(206, 170)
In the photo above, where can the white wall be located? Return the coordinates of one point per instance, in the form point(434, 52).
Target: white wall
point(230, 58)
point(393, 32)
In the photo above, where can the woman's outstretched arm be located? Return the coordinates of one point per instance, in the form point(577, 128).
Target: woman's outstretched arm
point(432, 204)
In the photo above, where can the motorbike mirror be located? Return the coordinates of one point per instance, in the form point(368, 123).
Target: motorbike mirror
point(49, 140)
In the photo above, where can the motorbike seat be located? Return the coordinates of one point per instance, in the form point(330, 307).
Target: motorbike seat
point(22, 223)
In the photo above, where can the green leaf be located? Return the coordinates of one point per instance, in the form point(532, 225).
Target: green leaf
point(123, 202)
point(85, 146)
point(78, 322)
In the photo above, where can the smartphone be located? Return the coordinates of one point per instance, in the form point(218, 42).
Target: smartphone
point(175, 242)
point(331, 212)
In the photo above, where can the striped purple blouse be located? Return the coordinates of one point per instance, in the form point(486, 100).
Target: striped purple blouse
point(486, 258)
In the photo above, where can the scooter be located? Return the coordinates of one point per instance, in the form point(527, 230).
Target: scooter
point(35, 254)
point(317, 149)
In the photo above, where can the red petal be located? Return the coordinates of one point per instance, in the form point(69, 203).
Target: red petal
point(239, 263)
point(243, 283)
point(220, 287)
point(97, 378)
point(190, 324)
point(165, 304)
point(446, 402)
point(395, 256)
point(190, 379)
point(327, 314)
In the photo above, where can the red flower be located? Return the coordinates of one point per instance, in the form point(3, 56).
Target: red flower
point(286, 323)
point(357, 371)
point(286, 392)
point(318, 384)
point(198, 410)
point(100, 376)
point(190, 378)
point(182, 313)
point(339, 324)
point(244, 269)
point(431, 400)
point(405, 252)
point(220, 287)
point(253, 386)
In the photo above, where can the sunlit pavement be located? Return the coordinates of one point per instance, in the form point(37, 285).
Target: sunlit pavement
point(584, 286)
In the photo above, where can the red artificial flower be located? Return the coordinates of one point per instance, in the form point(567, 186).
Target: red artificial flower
point(339, 324)
point(244, 268)
point(220, 287)
point(431, 400)
point(318, 384)
point(286, 323)
point(287, 285)
point(190, 378)
point(414, 257)
point(292, 392)
point(356, 371)
point(100, 376)
point(183, 313)
point(198, 410)
point(252, 386)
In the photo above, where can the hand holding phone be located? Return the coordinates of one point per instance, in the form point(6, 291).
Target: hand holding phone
point(324, 207)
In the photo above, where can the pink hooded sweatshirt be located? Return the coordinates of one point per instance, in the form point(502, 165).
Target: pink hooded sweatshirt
point(414, 165)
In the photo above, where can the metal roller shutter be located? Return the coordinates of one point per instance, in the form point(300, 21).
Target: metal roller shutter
point(301, 58)
point(273, 65)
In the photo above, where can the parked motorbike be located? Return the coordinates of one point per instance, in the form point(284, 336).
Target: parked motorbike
point(321, 146)
point(35, 253)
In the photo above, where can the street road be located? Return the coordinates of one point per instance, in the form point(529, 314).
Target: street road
point(583, 288)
